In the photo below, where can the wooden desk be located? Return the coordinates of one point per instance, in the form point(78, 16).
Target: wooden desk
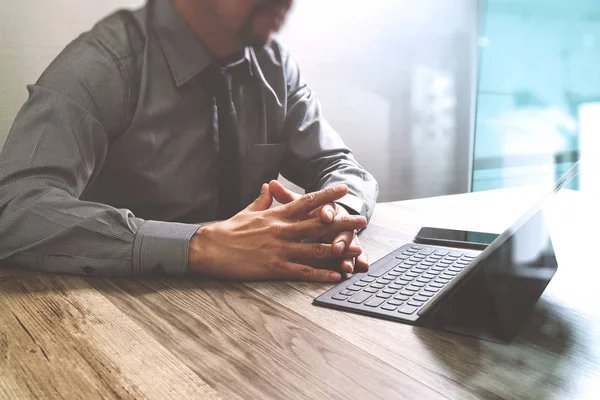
point(72, 337)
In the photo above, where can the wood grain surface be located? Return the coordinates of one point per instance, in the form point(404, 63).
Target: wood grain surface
point(73, 337)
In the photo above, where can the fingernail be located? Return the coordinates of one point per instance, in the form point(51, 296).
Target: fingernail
point(263, 189)
point(334, 276)
point(340, 246)
point(348, 267)
point(330, 215)
point(355, 249)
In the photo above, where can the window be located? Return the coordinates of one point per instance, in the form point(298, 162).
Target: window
point(538, 90)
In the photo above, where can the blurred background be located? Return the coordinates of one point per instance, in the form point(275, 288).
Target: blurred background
point(434, 96)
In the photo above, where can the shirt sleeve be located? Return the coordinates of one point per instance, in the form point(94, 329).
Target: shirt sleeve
point(318, 157)
point(56, 147)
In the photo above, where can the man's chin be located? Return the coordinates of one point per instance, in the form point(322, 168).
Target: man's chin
point(260, 41)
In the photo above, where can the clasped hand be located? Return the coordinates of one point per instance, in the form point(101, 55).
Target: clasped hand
point(264, 243)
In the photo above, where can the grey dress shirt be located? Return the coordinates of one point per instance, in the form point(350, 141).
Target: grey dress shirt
point(110, 165)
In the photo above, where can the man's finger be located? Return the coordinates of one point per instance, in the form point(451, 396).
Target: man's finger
point(310, 201)
point(314, 228)
point(263, 201)
point(362, 261)
point(348, 265)
point(305, 273)
point(328, 212)
point(344, 237)
point(281, 194)
point(317, 251)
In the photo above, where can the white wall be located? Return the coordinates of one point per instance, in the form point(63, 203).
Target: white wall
point(393, 76)
point(32, 33)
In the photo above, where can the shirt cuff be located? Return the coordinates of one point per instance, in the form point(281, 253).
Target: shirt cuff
point(354, 205)
point(162, 248)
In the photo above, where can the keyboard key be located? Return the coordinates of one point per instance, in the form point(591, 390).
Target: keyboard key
point(426, 294)
point(402, 257)
point(407, 278)
point(427, 264)
point(401, 297)
point(361, 283)
point(419, 269)
point(377, 272)
point(429, 289)
point(388, 277)
point(416, 247)
point(390, 291)
point(437, 269)
point(437, 285)
point(395, 302)
point(462, 262)
point(412, 288)
point(468, 257)
point(400, 269)
point(418, 257)
point(415, 303)
point(408, 293)
point(442, 281)
point(406, 309)
point(367, 279)
point(454, 269)
point(455, 253)
point(419, 297)
point(435, 257)
point(400, 281)
point(411, 263)
point(347, 292)
point(442, 252)
point(427, 251)
point(354, 288)
point(428, 275)
point(339, 297)
point(384, 281)
point(370, 290)
point(449, 273)
point(419, 284)
point(383, 268)
point(374, 302)
point(384, 295)
point(377, 285)
point(388, 307)
point(412, 274)
point(359, 297)
point(423, 280)
point(394, 274)
point(395, 286)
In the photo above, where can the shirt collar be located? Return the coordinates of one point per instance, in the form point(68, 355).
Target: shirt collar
point(185, 53)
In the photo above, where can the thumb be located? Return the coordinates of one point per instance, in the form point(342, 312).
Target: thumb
point(263, 201)
point(281, 194)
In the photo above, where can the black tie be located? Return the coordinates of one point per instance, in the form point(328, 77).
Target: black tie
point(218, 81)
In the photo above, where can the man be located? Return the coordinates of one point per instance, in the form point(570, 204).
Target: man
point(172, 115)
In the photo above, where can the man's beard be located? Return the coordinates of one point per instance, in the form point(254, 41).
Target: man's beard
point(247, 32)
